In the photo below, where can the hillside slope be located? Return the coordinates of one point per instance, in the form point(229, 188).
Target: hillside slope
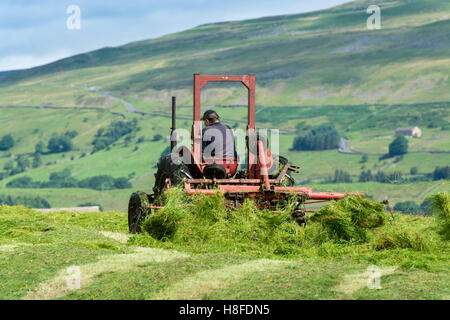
point(323, 57)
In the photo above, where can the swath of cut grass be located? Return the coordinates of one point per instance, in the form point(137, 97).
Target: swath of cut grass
point(401, 239)
point(349, 218)
point(163, 224)
point(202, 223)
point(440, 207)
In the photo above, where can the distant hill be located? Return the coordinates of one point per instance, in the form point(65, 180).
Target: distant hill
point(322, 57)
point(4, 73)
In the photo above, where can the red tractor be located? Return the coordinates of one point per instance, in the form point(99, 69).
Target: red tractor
point(199, 175)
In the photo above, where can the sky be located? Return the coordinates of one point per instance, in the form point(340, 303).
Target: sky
point(37, 32)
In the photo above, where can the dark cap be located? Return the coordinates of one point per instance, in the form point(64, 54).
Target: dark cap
point(210, 115)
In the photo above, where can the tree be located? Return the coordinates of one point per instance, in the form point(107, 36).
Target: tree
point(37, 160)
point(365, 176)
point(6, 142)
point(363, 159)
point(9, 166)
point(398, 147)
point(22, 163)
point(341, 176)
point(413, 170)
point(60, 144)
point(39, 148)
point(71, 134)
point(380, 176)
point(396, 176)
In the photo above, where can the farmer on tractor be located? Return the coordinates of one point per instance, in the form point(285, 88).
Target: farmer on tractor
point(210, 166)
point(218, 139)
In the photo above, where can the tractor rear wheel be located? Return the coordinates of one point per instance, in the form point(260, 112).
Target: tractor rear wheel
point(288, 180)
point(175, 170)
point(138, 210)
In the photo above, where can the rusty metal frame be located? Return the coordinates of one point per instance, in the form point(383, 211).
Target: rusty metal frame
point(249, 186)
point(257, 183)
point(199, 82)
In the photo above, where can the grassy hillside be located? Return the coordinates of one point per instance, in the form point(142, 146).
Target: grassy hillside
point(275, 259)
point(310, 69)
point(323, 57)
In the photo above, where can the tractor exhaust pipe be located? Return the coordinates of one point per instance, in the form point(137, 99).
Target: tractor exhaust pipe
point(173, 140)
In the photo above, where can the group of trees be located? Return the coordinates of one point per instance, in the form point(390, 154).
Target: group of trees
point(57, 143)
point(340, 176)
point(112, 133)
point(63, 142)
point(20, 164)
point(410, 207)
point(326, 137)
point(63, 179)
point(322, 137)
point(31, 202)
point(439, 173)
point(380, 176)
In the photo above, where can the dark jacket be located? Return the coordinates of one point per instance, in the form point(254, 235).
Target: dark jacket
point(212, 135)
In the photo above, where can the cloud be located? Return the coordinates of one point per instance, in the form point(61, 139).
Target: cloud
point(23, 61)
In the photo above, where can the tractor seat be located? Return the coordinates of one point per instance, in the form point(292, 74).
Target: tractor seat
point(220, 167)
point(214, 171)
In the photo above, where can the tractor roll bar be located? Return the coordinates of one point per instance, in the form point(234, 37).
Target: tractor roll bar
point(199, 82)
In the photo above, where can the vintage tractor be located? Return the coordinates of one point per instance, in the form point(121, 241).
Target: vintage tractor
point(199, 175)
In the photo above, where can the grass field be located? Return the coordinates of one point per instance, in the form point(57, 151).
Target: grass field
point(114, 265)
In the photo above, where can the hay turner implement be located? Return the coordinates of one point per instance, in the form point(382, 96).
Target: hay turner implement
point(198, 175)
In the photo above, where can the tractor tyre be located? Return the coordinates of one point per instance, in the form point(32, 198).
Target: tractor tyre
point(138, 210)
point(288, 180)
point(175, 170)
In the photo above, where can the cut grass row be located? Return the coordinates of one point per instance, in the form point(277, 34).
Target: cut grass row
point(36, 248)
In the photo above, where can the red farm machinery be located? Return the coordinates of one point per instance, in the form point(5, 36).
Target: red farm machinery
point(188, 168)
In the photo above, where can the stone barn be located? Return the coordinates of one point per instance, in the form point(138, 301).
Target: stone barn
point(409, 132)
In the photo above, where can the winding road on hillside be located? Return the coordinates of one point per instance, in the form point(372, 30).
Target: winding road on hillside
point(343, 147)
point(127, 104)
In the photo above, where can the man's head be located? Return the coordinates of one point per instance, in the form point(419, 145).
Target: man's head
point(210, 117)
